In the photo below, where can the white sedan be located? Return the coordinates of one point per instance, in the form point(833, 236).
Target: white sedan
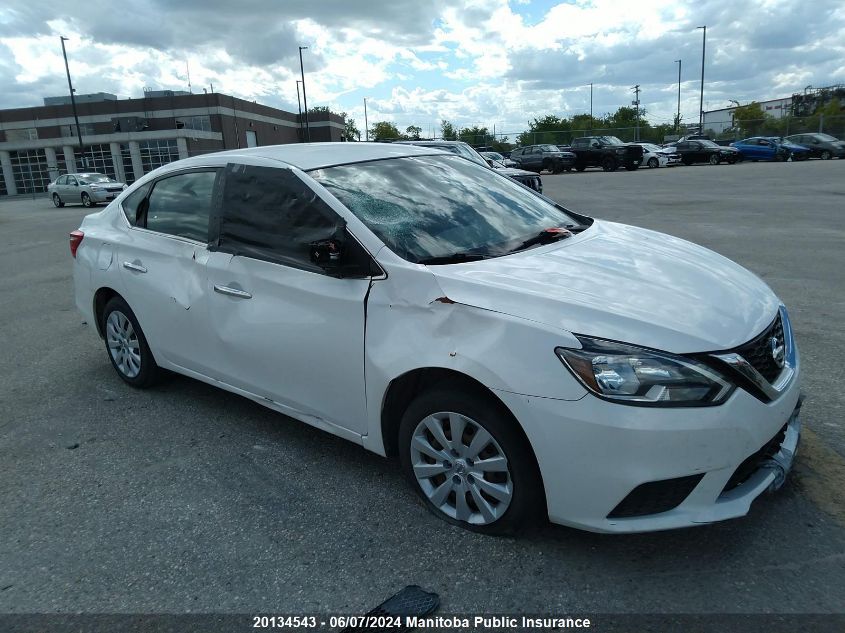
point(519, 358)
point(656, 156)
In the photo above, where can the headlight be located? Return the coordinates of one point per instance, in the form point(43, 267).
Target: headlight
point(621, 150)
point(95, 188)
point(632, 375)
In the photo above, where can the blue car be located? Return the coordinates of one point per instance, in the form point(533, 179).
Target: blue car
point(799, 152)
point(768, 148)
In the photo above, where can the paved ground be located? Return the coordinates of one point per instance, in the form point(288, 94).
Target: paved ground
point(188, 498)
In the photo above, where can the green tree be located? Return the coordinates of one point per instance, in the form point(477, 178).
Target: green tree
point(384, 130)
point(413, 132)
point(447, 131)
point(474, 135)
point(748, 120)
point(352, 133)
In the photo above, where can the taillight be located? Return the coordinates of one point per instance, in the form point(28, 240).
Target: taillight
point(75, 241)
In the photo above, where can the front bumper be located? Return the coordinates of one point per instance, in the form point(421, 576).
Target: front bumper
point(593, 453)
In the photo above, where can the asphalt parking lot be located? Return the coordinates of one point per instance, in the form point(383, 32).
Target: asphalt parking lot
point(186, 498)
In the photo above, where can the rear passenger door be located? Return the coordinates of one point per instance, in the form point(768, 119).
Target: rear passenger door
point(283, 329)
point(162, 265)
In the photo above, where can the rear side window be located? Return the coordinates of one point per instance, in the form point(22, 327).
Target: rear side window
point(181, 205)
point(269, 213)
point(61, 180)
point(132, 204)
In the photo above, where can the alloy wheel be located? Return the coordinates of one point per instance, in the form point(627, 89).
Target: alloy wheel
point(86, 200)
point(56, 200)
point(461, 468)
point(124, 347)
point(652, 162)
point(826, 155)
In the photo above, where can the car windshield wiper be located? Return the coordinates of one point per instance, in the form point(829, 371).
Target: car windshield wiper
point(547, 236)
point(454, 258)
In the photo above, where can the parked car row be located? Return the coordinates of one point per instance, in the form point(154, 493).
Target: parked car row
point(610, 153)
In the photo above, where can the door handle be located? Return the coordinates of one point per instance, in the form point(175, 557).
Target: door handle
point(232, 292)
point(136, 267)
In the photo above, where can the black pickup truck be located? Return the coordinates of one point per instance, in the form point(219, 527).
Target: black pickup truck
point(607, 152)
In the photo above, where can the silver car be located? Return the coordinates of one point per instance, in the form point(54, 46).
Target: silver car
point(87, 189)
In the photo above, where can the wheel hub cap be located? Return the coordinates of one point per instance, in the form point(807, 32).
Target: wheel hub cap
point(461, 468)
point(124, 347)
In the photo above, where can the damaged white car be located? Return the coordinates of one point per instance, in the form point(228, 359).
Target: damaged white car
point(520, 359)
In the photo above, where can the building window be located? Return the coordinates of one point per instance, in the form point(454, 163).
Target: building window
point(25, 134)
point(154, 154)
point(251, 139)
point(69, 131)
point(98, 159)
point(202, 122)
point(30, 170)
point(3, 190)
point(128, 169)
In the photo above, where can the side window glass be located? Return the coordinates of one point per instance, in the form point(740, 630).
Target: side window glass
point(270, 214)
point(61, 180)
point(71, 180)
point(132, 204)
point(181, 205)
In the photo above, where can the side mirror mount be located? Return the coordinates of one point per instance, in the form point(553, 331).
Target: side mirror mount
point(327, 254)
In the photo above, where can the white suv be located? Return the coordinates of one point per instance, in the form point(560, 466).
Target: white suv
point(519, 358)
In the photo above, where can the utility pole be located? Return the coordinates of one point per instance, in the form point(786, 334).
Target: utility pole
point(304, 98)
point(701, 98)
point(678, 115)
point(73, 104)
point(636, 104)
point(366, 126)
point(591, 106)
point(299, 105)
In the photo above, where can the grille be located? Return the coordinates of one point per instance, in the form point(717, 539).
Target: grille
point(758, 352)
point(655, 497)
point(750, 465)
point(113, 189)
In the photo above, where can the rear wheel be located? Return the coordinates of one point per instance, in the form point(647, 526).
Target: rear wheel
point(548, 166)
point(57, 201)
point(608, 163)
point(127, 346)
point(465, 457)
point(826, 155)
point(653, 162)
point(86, 200)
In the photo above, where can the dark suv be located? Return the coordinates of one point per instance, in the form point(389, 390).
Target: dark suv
point(607, 152)
point(543, 157)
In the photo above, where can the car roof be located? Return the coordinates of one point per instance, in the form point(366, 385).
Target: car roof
point(307, 156)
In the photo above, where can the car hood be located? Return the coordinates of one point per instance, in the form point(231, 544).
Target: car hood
point(622, 283)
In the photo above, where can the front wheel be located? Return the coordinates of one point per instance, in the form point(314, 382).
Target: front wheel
point(127, 346)
point(714, 159)
point(86, 200)
point(57, 201)
point(466, 458)
point(653, 162)
point(609, 164)
point(826, 155)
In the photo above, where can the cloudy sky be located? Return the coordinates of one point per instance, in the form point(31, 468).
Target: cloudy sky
point(484, 62)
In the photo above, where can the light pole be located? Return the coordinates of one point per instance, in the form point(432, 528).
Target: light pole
point(304, 98)
point(678, 115)
point(701, 99)
point(636, 104)
point(591, 106)
point(366, 127)
point(73, 104)
point(299, 105)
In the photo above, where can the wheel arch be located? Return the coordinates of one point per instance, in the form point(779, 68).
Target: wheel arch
point(404, 388)
point(101, 298)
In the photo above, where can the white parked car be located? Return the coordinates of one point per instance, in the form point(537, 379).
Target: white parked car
point(656, 156)
point(518, 358)
point(88, 189)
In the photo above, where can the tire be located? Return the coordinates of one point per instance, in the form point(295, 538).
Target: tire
point(548, 166)
point(714, 159)
point(86, 200)
point(608, 163)
point(686, 161)
point(826, 155)
point(57, 201)
point(780, 158)
point(653, 162)
point(127, 346)
point(732, 161)
point(632, 166)
point(580, 167)
point(445, 472)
